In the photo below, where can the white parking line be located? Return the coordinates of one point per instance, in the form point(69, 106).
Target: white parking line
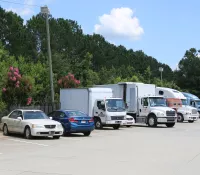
point(15, 140)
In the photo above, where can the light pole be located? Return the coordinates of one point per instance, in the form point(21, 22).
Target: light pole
point(161, 70)
point(45, 11)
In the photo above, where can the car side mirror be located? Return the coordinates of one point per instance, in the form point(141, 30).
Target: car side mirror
point(50, 118)
point(19, 118)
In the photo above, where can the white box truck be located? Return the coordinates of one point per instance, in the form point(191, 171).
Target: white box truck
point(142, 103)
point(184, 112)
point(96, 102)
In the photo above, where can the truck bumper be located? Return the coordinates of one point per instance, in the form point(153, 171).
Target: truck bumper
point(114, 122)
point(190, 117)
point(164, 120)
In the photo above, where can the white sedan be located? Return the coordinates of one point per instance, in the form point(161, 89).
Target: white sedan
point(129, 121)
point(31, 123)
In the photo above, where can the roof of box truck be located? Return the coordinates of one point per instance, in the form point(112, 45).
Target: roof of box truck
point(96, 89)
point(130, 83)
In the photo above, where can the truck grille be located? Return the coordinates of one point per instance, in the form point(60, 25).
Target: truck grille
point(170, 113)
point(170, 119)
point(194, 111)
point(50, 126)
point(117, 117)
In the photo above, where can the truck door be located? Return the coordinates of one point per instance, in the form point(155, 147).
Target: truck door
point(144, 107)
point(100, 111)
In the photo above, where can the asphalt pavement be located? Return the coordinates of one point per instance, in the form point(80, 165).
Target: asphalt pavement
point(138, 150)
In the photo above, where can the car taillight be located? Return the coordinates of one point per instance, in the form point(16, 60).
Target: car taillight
point(91, 120)
point(73, 120)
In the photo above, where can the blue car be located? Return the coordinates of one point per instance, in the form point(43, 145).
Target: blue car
point(74, 121)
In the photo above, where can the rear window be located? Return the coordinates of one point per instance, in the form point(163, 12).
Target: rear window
point(75, 113)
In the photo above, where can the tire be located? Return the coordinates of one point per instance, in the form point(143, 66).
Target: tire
point(56, 137)
point(5, 130)
point(116, 126)
point(170, 125)
point(152, 121)
point(180, 118)
point(191, 121)
point(87, 133)
point(128, 126)
point(98, 124)
point(27, 133)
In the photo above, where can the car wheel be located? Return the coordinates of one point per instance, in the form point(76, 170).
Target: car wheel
point(87, 133)
point(128, 126)
point(116, 126)
point(190, 121)
point(180, 118)
point(5, 130)
point(27, 133)
point(56, 137)
point(98, 124)
point(152, 122)
point(170, 125)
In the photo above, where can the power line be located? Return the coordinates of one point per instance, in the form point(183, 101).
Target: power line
point(11, 2)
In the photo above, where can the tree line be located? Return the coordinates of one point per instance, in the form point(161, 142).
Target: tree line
point(90, 58)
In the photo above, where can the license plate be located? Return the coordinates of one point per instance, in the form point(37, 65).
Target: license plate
point(117, 122)
point(129, 123)
point(51, 133)
point(83, 121)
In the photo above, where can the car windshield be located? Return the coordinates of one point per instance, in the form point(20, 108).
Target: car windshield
point(29, 115)
point(184, 102)
point(114, 105)
point(76, 113)
point(157, 101)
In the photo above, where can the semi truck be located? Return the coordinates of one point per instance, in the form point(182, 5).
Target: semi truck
point(143, 104)
point(184, 111)
point(192, 100)
point(96, 102)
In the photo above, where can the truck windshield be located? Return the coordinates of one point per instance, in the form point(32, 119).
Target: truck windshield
point(198, 102)
point(184, 102)
point(157, 101)
point(115, 105)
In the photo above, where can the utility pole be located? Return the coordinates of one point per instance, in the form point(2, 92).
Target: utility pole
point(161, 70)
point(45, 11)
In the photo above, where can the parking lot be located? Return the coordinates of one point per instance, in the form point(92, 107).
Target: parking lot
point(138, 150)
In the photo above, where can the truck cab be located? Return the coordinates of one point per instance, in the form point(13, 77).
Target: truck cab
point(109, 112)
point(192, 100)
point(184, 111)
point(153, 110)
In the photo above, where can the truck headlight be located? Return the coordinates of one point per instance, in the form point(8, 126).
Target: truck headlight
point(161, 114)
point(37, 126)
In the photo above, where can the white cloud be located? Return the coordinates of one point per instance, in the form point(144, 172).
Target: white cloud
point(120, 23)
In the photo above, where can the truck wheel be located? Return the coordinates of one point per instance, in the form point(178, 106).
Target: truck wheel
point(180, 118)
point(170, 125)
point(190, 121)
point(98, 124)
point(152, 122)
point(116, 126)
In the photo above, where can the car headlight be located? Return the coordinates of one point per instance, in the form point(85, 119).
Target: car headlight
point(37, 126)
point(59, 126)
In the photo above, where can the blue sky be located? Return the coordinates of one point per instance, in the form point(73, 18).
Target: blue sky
point(162, 29)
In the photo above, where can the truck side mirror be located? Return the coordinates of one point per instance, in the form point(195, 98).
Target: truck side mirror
point(102, 105)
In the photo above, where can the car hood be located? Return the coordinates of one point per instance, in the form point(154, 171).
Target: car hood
point(42, 121)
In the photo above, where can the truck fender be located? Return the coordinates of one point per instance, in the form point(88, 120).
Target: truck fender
point(97, 118)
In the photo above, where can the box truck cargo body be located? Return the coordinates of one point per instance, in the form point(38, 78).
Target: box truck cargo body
point(143, 104)
point(96, 102)
point(184, 111)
